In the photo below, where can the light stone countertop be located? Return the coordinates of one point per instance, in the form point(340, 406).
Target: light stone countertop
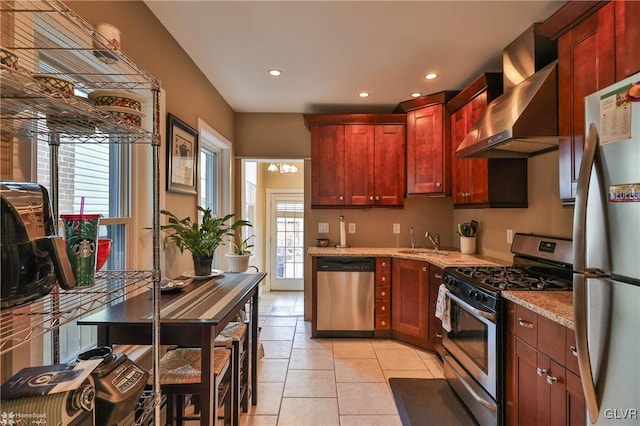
point(555, 305)
point(450, 258)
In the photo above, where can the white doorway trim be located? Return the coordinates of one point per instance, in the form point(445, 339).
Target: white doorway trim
point(271, 197)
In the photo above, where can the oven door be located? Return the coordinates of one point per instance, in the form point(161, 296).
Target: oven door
point(472, 342)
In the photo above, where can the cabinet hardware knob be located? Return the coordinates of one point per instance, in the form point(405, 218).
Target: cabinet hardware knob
point(574, 351)
point(370, 197)
point(384, 293)
point(541, 371)
point(438, 184)
point(439, 335)
point(525, 324)
point(438, 276)
point(383, 309)
point(384, 263)
point(377, 198)
point(383, 323)
point(551, 380)
point(424, 269)
point(384, 279)
point(341, 198)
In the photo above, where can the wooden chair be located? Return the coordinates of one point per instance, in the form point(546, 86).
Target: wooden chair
point(234, 336)
point(180, 371)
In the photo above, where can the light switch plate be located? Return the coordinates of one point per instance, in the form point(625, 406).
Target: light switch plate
point(396, 228)
point(323, 228)
point(352, 228)
point(509, 236)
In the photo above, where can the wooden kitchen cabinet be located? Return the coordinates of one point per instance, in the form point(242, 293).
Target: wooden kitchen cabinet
point(357, 159)
point(383, 296)
point(482, 182)
point(428, 144)
point(410, 302)
point(540, 390)
point(327, 165)
point(435, 325)
point(597, 46)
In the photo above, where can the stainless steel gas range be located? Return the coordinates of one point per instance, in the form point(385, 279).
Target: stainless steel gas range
point(475, 349)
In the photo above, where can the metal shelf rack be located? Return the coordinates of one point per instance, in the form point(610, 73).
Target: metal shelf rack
point(48, 32)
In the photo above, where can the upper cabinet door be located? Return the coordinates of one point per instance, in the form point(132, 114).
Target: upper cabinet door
point(428, 151)
point(586, 63)
point(458, 166)
point(357, 159)
point(327, 165)
point(389, 164)
point(627, 38)
point(359, 183)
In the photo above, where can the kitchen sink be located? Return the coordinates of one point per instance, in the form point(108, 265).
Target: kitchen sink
point(430, 252)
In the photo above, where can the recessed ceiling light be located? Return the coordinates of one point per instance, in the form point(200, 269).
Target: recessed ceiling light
point(431, 76)
point(416, 94)
point(275, 73)
point(363, 94)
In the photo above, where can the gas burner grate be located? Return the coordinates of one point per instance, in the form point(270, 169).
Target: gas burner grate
point(513, 278)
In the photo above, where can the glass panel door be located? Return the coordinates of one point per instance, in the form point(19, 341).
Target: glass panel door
point(287, 242)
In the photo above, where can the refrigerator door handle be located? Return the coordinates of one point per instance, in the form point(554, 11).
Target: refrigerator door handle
point(579, 279)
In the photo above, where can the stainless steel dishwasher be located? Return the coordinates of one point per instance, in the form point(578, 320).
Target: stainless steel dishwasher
point(346, 296)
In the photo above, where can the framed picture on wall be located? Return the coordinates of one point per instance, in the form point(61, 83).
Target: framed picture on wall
point(182, 156)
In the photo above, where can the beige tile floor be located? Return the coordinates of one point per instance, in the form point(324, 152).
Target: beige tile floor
point(326, 382)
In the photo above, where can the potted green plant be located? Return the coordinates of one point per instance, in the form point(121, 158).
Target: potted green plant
point(201, 239)
point(239, 259)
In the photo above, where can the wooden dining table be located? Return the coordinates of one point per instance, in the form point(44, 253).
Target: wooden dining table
point(192, 317)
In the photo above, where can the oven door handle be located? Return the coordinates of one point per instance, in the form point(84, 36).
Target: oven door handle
point(472, 392)
point(488, 315)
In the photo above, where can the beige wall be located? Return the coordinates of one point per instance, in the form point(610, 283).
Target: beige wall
point(271, 136)
point(189, 95)
point(545, 214)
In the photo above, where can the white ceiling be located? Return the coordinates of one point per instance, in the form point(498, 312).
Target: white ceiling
point(329, 51)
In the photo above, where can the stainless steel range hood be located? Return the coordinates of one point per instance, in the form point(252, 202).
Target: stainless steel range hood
point(524, 120)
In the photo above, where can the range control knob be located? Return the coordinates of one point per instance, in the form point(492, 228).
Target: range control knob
point(479, 296)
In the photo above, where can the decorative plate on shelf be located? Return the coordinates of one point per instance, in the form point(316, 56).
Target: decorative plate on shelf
point(214, 273)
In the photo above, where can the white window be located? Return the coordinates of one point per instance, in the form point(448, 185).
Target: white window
point(214, 170)
point(210, 179)
point(93, 172)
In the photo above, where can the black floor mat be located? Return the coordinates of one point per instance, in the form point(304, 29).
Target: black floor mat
point(429, 402)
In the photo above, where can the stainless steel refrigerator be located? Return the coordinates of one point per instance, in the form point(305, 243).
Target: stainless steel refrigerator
point(606, 239)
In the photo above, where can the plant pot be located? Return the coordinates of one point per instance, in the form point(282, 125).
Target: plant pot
point(202, 265)
point(238, 262)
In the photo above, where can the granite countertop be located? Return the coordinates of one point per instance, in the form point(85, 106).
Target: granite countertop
point(555, 305)
point(444, 259)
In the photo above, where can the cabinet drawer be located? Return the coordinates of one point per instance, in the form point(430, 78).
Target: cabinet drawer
point(383, 322)
point(383, 278)
point(571, 355)
point(383, 264)
point(526, 325)
point(383, 292)
point(383, 307)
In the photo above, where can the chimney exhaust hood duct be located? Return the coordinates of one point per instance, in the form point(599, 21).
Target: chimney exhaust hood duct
point(524, 120)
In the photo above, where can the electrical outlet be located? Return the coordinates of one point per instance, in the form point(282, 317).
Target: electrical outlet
point(323, 228)
point(509, 236)
point(352, 228)
point(396, 228)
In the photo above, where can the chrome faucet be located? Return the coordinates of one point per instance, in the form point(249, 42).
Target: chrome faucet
point(435, 241)
point(411, 233)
